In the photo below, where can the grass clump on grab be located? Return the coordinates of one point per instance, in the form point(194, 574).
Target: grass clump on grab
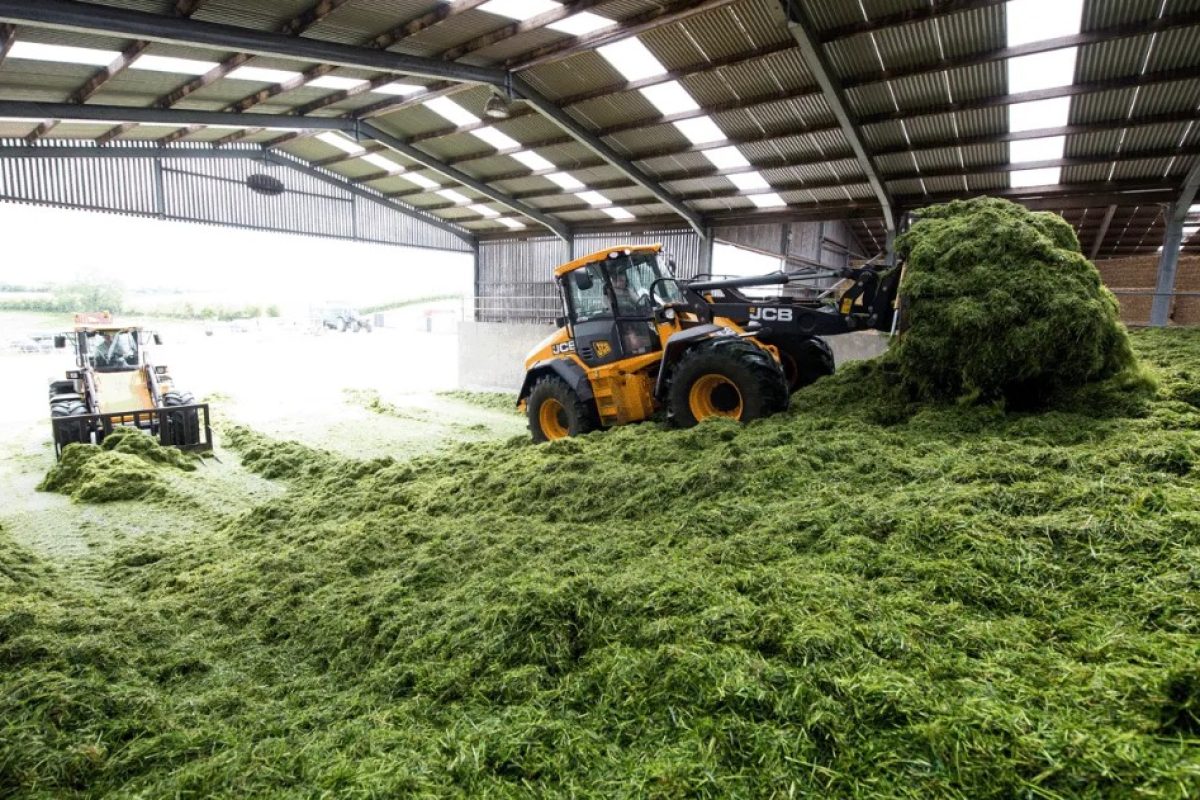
point(1001, 305)
point(125, 466)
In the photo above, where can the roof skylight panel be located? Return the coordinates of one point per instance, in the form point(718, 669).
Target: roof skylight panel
point(700, 130)
point(455, 197)
point(519, 9)
point(420, 180)
point(383, 162)
point(749, 181)
point(510, 223)
point(336, 82)
point(1023, 178)
point(593, 198)
point(670, 98)
point(36, 51)
point(398, 89)
point(1038, 20)
point(340, 142)
point(262, 75)
point(1052, 113)
point(618, 213)
point(180, 66)
point(1042, 70)
point(726, 157)
point(1047, 149)
point(632, 59)
point(565, 180)
point(497, 139)
point(768, 200)
point(480, 208)
point(533, 160)
point(581, 24)
point(447, 108)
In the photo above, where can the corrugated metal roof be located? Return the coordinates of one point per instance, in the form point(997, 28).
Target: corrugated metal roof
point(774, 128)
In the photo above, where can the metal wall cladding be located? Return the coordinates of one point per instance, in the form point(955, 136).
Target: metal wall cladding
point(106, 184)
point(828, 243)
point(514, 279)
point(214, 191)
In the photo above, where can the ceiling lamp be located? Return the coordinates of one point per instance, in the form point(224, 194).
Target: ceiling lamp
point(497, 107)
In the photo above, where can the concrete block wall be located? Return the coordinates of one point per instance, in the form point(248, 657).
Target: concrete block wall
point(1133, 281)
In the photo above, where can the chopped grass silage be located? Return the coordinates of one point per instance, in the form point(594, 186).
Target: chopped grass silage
point(929, 602)
point(125, 466)
point(1001, 305)
point(496, 401)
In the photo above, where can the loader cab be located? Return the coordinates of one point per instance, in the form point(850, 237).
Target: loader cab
point(611, 302)
point(111, 350)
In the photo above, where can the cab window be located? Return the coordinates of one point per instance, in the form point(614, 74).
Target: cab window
point(586, 289)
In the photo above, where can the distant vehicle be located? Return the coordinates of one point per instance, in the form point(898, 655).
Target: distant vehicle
point(343, 319)
point(115, 383)
point(30, 344)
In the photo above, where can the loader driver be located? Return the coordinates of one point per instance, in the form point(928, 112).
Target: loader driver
point(109, 350)
point(629, 302)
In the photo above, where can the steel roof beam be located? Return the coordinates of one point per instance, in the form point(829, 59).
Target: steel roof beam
point(90, 18)
point(801, 28)
point(408, 151)
point(19, 109)
point(593, 142)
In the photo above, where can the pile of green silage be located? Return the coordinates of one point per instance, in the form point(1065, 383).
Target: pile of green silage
point(127, 465)
point(1001, 305)
point(841, 601)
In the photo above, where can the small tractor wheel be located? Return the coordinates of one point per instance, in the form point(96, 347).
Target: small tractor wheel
point(66, 433)
point(556, 412)
point(726, 378)
point(62, 387)
point(803, 359)
point(184, 425)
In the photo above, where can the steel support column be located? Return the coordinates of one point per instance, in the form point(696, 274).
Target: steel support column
point(1168, 263)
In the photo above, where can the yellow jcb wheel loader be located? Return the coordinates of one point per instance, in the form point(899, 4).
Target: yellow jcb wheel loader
point(634, 340)
point(115, 383)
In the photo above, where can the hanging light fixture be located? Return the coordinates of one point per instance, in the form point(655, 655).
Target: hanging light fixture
point(496, 107)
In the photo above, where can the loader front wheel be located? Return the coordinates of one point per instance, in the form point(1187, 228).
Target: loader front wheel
point(70, 431)
point(183, 425)
point(726, 378)
point(555, 411)
point(804, 360)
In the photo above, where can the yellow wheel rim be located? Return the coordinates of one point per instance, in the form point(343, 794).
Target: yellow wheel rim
point(715, 396)
point(552, 419)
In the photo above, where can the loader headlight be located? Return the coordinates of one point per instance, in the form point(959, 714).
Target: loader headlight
point(160, 370)
point(75, 375)
point(668, 313)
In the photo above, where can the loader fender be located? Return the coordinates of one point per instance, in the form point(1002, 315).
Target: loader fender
point(569, 371)
point(677, 345)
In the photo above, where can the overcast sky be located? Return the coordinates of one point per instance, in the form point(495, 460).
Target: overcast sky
point(41, 245)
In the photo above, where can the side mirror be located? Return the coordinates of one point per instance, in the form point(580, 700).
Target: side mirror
point(583, 279)
point(60, 341)
point(157, 339)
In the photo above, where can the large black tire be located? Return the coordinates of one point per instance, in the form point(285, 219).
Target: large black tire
point(804, 359)
point(71, 432)
point(183, 426)
point(555, 411)
point(62, 387)
point(726, 377)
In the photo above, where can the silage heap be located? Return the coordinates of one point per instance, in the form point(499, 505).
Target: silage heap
point(127, 465)
point(1001, 305)
point(964, 603)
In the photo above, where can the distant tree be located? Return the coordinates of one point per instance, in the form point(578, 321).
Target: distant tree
point(87, 296)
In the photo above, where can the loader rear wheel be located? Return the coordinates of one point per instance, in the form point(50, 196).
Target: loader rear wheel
point(70, 432)
point(184, 425)
point(555, 411)
point(729, 378)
